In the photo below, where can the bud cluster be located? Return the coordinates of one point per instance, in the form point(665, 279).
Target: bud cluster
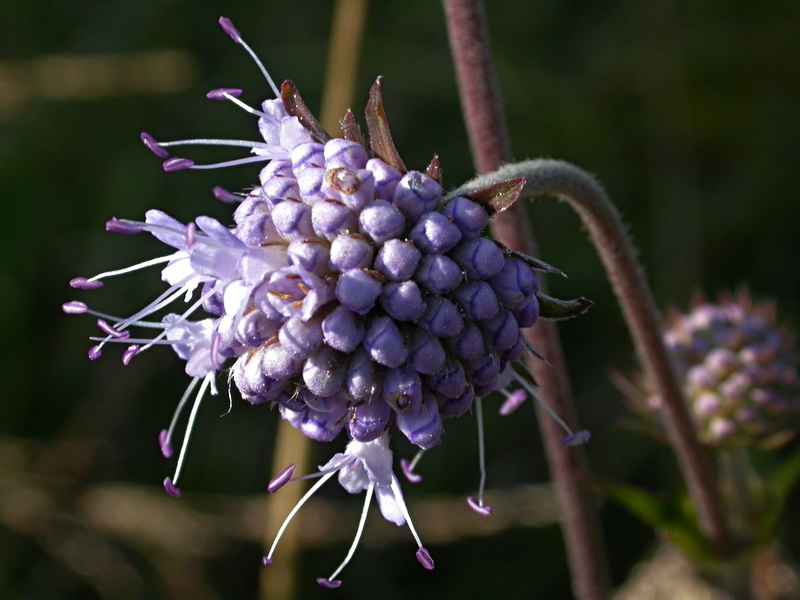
point(739, 369)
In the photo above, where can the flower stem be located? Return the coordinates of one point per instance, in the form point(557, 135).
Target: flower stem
point(608, 234)
point(483, 113)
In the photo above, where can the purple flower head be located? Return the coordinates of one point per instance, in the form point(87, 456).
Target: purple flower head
point(346, 290)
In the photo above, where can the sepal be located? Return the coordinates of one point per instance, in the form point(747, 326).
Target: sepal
point(295, 106)
point(559, 310)
point(380, 138)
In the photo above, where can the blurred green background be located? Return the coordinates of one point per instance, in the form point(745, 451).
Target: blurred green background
point(686, 111)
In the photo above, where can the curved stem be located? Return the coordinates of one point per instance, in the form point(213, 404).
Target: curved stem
point(582, 192)
point(483, 113)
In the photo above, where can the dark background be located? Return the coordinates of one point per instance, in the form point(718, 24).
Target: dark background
point(686, 111)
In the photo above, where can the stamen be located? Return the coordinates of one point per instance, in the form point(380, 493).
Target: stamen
point(189, 426)
point(182, 318)
point(109, 330)
point(220, 165)
point(224, 195)
point(296, 508)
point(131, 269)
point(513, 401)
point(408, 467)
point(281, 479)
point(114, 225)
point(572, 438)
point(228, 27)
point(332, 579)
point(478, 506)
point(82, 283)
point(335, 468)
point(74, 307)
point(153, 145)
point(398, 496)
point(223, 93)
point(245, 107)
point(216, 142)
point(165, 437)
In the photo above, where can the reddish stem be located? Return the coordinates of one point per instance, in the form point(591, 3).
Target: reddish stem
point(483, 113)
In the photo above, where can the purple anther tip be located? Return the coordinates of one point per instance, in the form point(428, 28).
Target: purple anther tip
point(513, 402)
point(109, 330)
point(128, 355)
point(281, 478)
point(171, 488)
point(177, 164)
point(74, 307)
point(405, 466)
point(228, 27)
point(190, 235)
point(424, 558)
point(163, 441)
point(223, 93)
point(482, 509)
point(95, 352)
point(153, 145)
point(82, 283)
point(329, 584)
point(266, 561)
point(220, 193)
point(116, 226)
point(577, 438)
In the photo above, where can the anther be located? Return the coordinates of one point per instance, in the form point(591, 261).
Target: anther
point(281, 478)
point(109, 330)
point(125, 227)
point(424, 558)
point(329, 584)
point(224, 195)
point(266, 561)
point(577, 438)
point(95, 352)
point(177, 164)
point(82, 283)
point(128, 355)
point(229, 28)
point(74, 307)
point(163, 442)
point(153, 145)
point(408, 471)
point(171, 488)
point(513, 401)
point(223, 93)
point(481, 509)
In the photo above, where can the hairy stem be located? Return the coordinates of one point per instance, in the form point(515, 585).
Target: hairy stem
point(608, 234)
point(483, 113)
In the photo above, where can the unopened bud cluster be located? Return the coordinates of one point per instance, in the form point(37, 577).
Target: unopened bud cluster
point(739, 369)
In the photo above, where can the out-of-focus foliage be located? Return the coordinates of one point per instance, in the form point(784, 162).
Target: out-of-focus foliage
point(686, 111)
